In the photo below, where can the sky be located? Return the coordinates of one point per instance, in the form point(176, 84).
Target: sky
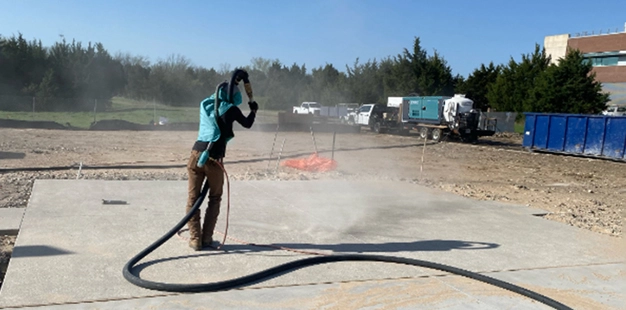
point(227, 34)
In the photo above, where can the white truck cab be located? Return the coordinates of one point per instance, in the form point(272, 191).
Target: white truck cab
point(308, 108)
point(615, 110)
point(361, 116)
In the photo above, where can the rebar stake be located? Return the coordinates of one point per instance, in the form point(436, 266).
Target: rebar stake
point(423, 151)
point(332, 157)
point(279, 155)
point(269, 160)
point(313, 137)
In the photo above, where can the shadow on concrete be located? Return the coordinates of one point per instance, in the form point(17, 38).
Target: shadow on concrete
point(37, 250)
point(341, 248)
point(389, 247)
point(11, 155)
point(140, 267)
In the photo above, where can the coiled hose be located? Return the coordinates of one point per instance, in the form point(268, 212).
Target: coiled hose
point(294, 265)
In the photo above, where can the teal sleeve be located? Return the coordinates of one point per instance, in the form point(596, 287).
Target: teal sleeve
point(237, 98)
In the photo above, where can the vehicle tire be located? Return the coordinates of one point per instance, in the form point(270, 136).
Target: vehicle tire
point(423, 132)
point(436, 134)
point(376, 127)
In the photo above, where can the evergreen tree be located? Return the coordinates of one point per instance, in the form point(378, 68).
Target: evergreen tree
point(406, 73)
point(512, 88)
point(436, 78)
point(477, 84)
point(78, 73)
point(365, 82)
point(569, 87)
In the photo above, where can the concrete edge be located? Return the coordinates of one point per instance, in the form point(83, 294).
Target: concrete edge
point(11, 220)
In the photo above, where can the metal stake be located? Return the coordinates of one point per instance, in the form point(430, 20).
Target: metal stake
point(95, 108)
point(269, 160)
point(423, 151)
point(79, 169)
point(313, 137)
point(332, 157)
point(279, 155)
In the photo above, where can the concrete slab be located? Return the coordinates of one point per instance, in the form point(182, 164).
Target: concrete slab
point(71, 249)
point(10, 220)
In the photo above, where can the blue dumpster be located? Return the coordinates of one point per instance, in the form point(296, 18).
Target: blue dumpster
point(591, 135)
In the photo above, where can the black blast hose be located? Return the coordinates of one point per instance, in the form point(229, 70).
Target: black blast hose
point(273, 272)
point(294, 265)
point(237, 76)
point(218, 100)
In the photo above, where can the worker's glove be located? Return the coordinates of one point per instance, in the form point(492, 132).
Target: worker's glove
point(253, 106)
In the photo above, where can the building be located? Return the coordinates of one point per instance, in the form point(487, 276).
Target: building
point(607, 53)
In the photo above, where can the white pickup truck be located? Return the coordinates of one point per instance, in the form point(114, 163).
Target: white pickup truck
point(308, 108)
point(615, 110)
point(379, 118)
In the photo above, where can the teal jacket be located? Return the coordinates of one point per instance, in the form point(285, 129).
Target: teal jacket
point(208, 130)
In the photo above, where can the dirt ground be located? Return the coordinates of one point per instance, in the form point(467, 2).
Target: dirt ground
point(586, 193)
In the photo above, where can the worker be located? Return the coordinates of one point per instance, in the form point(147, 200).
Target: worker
point(213, 135)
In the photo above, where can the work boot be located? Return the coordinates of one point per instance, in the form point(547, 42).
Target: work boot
point(195, 235)
point(195, 244)
point(210, 219)
point(207, 234)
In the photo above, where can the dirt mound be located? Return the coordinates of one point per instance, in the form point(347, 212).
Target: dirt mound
point(116, 124)
point(11, 123)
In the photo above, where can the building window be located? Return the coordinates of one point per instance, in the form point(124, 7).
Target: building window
point(603, 59)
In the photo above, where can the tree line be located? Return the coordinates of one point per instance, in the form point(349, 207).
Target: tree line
point(67, 76)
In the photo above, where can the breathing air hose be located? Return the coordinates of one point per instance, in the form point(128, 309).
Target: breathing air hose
point(273, 272)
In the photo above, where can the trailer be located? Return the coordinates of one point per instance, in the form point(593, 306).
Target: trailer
point(436, 116)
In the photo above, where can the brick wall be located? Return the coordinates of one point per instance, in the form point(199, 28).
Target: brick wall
point(614, 74)
point(603, 43)
point(599, 43)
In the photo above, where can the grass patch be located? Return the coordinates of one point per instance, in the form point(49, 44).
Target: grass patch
point(122, 103)
point(519, 127)
point(75, 119)
point(134, 111)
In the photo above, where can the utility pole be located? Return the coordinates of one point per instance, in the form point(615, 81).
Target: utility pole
point(95, 107)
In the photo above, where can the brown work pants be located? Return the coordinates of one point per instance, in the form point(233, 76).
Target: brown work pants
point(215, 177)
